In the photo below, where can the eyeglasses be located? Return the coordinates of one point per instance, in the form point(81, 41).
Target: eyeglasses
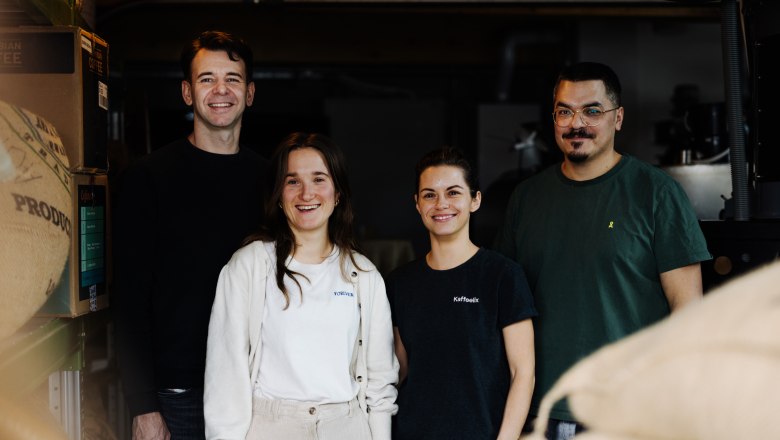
point(591, 116)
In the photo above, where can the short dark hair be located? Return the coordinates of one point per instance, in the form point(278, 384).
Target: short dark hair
point(589, 71)
point(236, 48)
point(447, 156)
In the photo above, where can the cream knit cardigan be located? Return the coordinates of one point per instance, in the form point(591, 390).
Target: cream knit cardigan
point(233, 351)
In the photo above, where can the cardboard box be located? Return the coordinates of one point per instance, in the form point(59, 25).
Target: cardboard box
point(83, 287)
point(61, 73)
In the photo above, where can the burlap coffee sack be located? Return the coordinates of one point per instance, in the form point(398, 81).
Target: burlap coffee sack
point(35, 214)
point(711, 371)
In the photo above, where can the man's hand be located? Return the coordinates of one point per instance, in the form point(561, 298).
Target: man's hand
point(150, 426)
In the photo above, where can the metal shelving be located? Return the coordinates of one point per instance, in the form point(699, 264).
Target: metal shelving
point(47, 12)
point(50, 352)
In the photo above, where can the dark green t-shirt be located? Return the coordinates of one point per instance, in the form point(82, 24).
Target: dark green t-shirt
point(593, 252)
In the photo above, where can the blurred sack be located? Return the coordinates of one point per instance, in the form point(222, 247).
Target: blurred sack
point(21, 421)
point(710, 371)
point(35, 214)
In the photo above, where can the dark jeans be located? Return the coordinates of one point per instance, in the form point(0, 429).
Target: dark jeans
point(562, 430)
point(553, 431)
point(183, 413)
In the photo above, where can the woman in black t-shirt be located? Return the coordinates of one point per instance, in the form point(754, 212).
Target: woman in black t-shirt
point(461, 321)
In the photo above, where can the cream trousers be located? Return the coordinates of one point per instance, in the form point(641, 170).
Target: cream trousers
point(291, 420)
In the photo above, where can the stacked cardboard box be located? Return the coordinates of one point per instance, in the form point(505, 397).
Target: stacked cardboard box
point(61, 73)
point(83, 287)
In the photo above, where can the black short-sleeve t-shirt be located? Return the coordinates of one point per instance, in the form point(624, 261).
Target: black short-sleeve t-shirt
point(451, 323)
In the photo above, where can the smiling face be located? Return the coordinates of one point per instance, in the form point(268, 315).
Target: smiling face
point(444, 202)
point(218, 90)
point(308, 195)
point(578, 142)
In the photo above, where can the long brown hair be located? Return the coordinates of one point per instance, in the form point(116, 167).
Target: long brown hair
point(340, 223)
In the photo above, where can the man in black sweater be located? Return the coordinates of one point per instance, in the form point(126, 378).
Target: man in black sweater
point(181, 213)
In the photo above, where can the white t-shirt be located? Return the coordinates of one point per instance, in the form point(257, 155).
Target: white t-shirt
point(307, 348)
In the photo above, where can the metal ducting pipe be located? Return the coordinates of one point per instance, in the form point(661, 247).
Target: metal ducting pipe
point(732, 66)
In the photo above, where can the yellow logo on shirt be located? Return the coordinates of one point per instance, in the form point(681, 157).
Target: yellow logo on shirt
point(611, 225)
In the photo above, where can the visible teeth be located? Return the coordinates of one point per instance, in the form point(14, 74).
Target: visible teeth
point(441, 217)
point(308, 208)
point(221, 104)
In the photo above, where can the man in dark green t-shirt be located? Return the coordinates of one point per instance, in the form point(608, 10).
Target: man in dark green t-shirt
point(609, 244)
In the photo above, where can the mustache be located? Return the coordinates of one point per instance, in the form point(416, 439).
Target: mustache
point(579, 133)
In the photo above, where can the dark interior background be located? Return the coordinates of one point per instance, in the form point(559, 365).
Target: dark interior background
point(391, 80)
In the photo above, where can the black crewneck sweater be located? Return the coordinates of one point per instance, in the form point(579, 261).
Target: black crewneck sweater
point(180, 214)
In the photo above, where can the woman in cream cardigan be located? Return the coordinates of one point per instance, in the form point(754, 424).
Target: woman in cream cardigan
point(321, 365)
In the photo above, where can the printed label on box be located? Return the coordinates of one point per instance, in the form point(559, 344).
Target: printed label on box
point(37, 53)
point(92, 240)
point(103, 95)
point(92, 298)
point(86, 43)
